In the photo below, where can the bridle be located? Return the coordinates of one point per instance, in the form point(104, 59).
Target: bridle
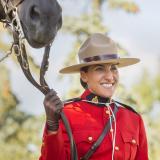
point(10, 9)
point(12, 20)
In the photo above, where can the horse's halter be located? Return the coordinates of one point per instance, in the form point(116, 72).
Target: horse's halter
point(14, 3)
point(12, 19)
point(13, 22)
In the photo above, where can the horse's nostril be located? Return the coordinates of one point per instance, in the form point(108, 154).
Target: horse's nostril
point(34, 13)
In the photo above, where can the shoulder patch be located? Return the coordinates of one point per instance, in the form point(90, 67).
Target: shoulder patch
point(71, 100)
point(127, 107)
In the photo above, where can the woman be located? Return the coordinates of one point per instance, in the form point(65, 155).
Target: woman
point(124, 136)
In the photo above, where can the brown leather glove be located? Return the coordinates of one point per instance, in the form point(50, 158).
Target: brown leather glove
point(53, 106)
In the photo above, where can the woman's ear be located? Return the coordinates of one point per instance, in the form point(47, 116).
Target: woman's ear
point(83, 76)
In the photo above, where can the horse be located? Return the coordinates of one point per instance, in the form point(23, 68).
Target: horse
point(40, 19)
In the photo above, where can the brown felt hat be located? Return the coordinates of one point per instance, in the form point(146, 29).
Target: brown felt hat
point(98, 49)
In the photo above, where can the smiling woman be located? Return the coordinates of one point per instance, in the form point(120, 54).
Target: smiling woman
point(102, 127)
point(101, 79)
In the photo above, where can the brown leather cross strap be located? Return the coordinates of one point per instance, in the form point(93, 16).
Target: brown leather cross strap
point(101, 137)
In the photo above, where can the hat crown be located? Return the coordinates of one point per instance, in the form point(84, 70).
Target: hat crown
point(97, 45)
point(98, 49)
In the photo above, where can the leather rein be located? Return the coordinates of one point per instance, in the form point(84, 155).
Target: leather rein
point(12, 20)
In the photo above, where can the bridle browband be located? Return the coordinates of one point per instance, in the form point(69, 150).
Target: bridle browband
point(12, 20)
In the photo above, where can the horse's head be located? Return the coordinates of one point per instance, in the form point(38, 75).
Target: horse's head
point(40, 19)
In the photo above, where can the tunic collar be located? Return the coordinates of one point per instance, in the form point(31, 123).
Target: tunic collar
point(93, 98)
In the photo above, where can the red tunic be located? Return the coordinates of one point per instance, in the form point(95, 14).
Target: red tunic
point(87, 122)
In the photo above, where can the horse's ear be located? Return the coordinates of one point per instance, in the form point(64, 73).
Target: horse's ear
point(2, 13)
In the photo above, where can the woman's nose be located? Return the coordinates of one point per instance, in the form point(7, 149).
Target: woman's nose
point(108, 75)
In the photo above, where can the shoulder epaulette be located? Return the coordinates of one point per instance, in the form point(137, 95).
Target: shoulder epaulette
point(127, 107)
point(72, 100)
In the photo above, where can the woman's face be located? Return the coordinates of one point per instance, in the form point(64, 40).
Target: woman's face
point(101, 79)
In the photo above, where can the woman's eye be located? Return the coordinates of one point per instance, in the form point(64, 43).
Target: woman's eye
point(99, 69)
point(113, 68)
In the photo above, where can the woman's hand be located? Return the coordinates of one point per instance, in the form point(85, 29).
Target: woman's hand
point(53, 106)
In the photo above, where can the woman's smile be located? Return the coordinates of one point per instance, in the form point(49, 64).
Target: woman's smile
point(101, 79)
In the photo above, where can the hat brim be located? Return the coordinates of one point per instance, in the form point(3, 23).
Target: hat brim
point(121, 62)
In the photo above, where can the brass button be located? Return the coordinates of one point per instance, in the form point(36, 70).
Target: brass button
point(133, 141)
point(90, 138)
point(111, 130)
point(116, 148)
point(107, 112)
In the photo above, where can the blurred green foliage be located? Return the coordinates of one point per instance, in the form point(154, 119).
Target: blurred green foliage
point(19, 132)
point(128, 6)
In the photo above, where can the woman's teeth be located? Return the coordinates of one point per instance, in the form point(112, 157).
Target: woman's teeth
point(107, 85)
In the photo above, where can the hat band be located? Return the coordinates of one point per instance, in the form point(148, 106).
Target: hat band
point(100, 57)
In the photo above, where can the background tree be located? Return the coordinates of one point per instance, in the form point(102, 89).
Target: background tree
point(20, 133)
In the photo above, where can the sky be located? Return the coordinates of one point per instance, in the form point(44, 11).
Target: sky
point(139, 34)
